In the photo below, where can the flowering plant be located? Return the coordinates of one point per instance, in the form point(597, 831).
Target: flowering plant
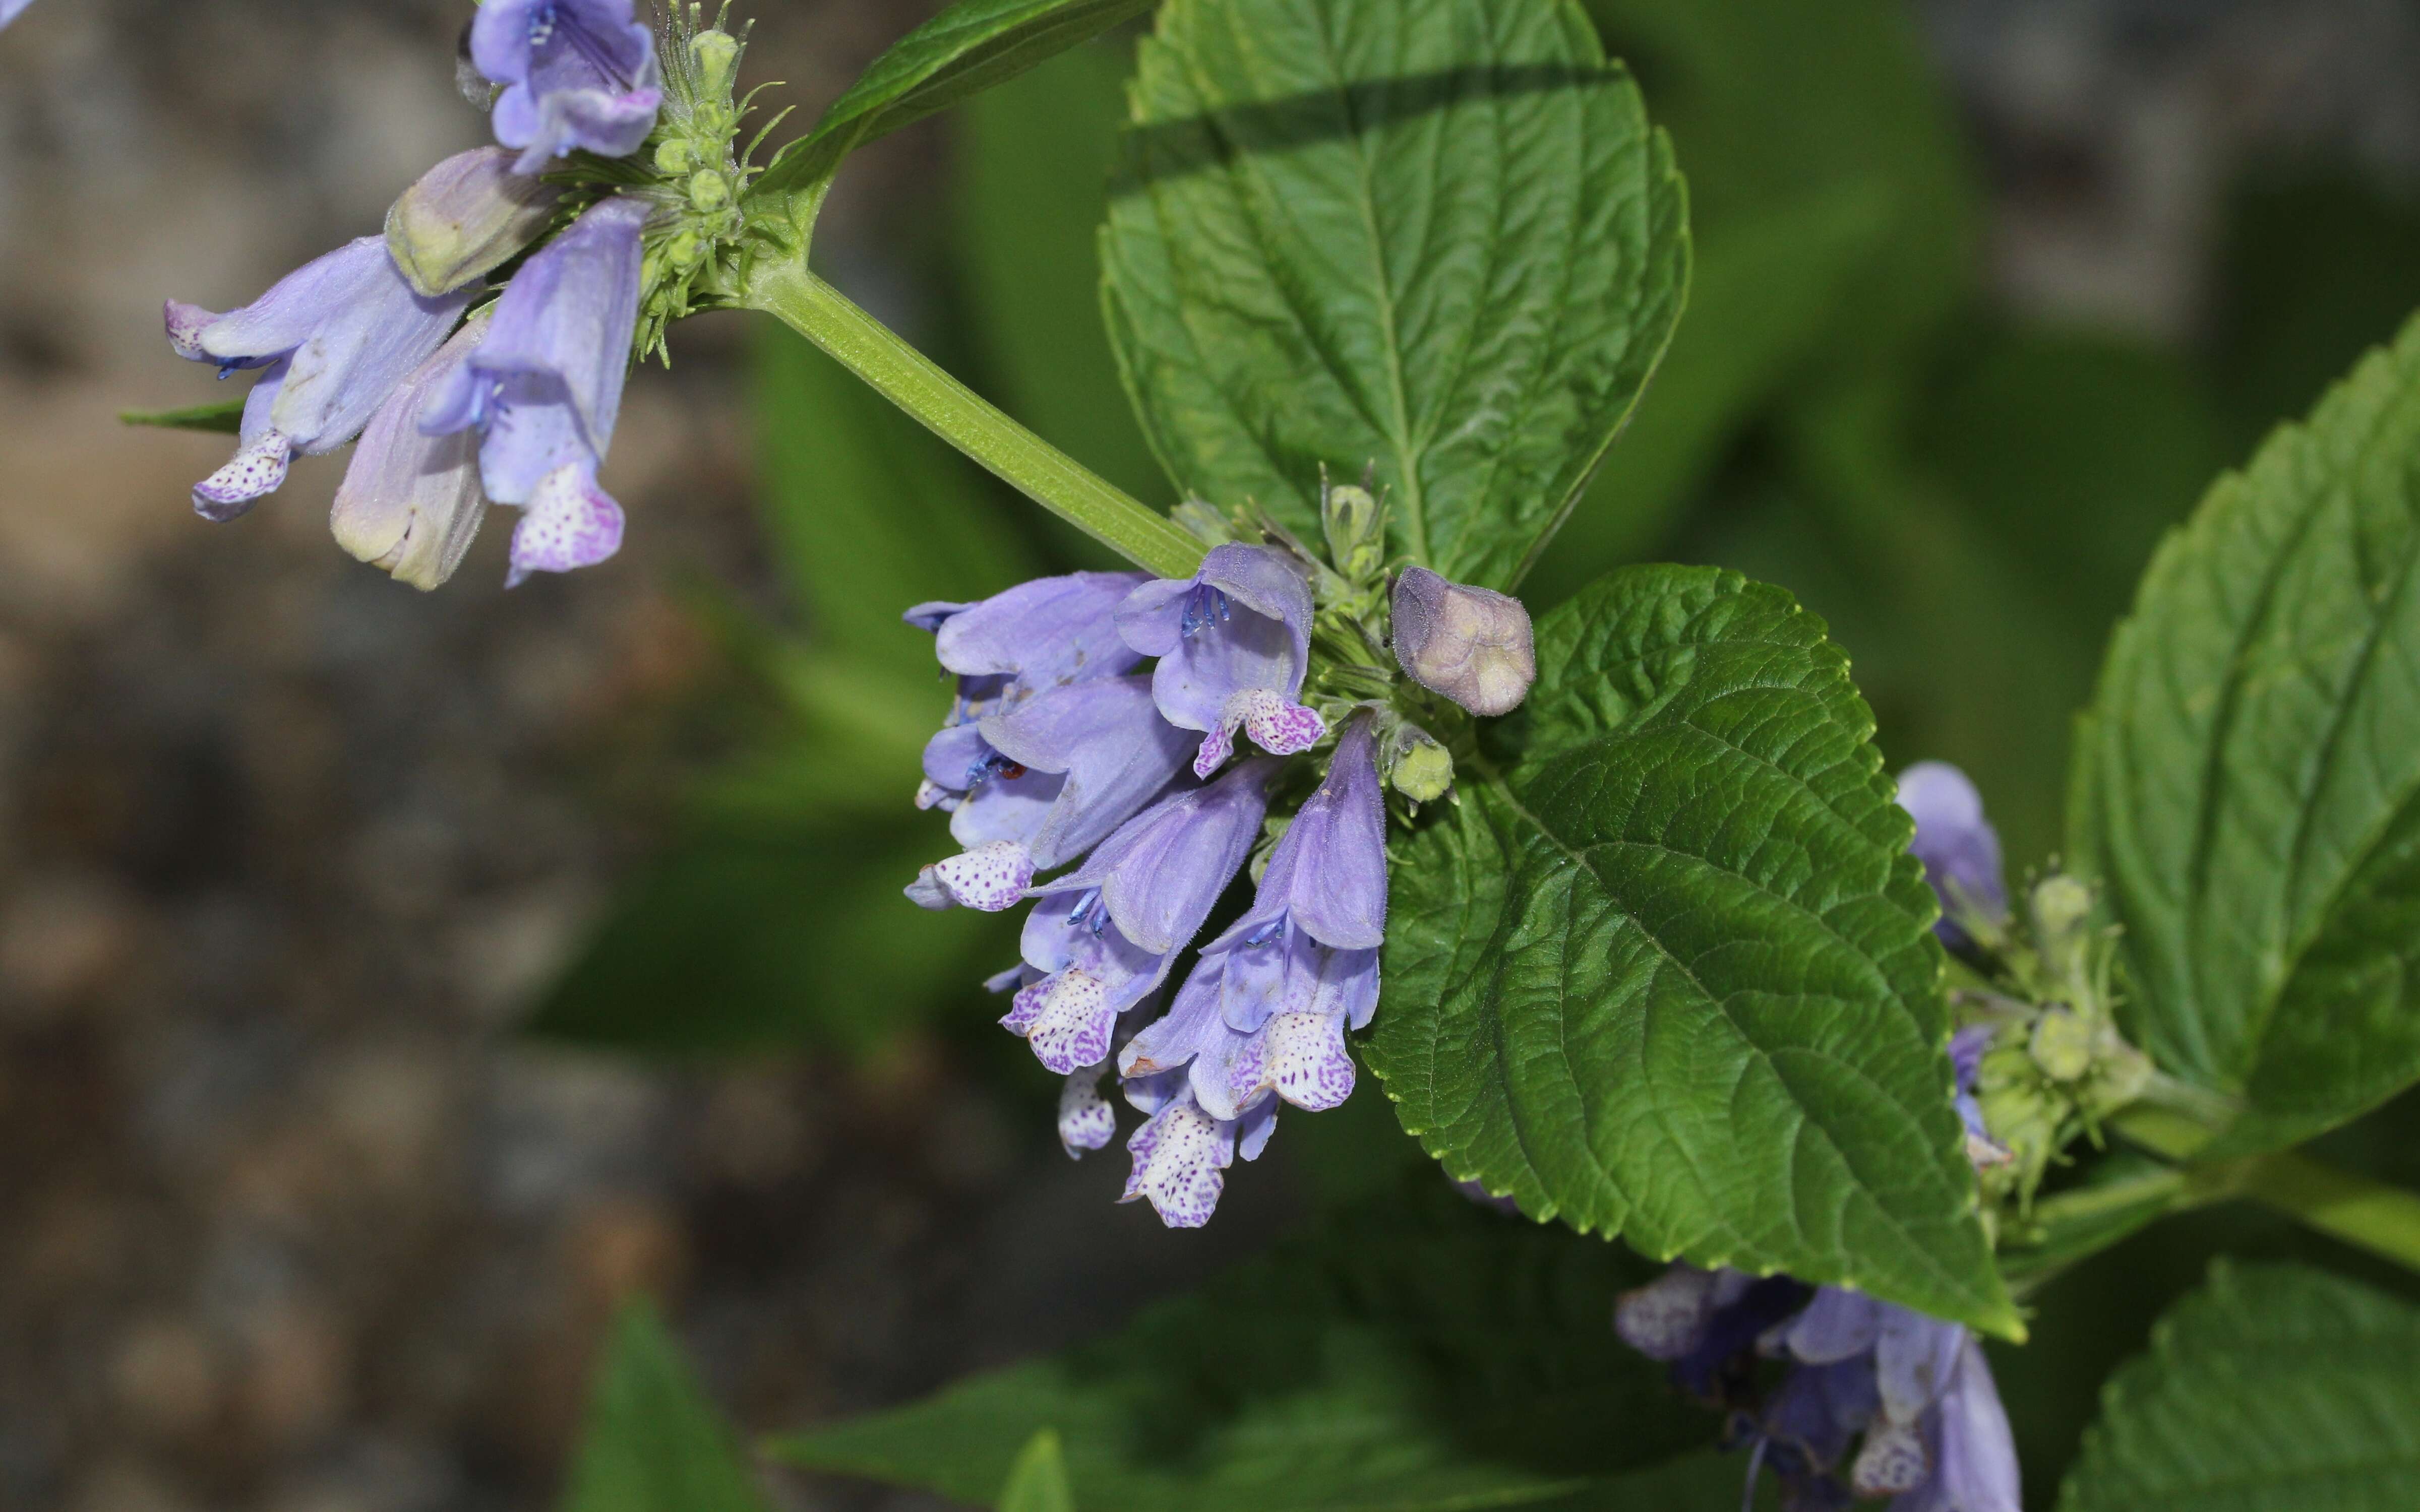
point(1616, 901)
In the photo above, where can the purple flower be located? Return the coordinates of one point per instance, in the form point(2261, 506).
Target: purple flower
point(1939, 1440)
point(1101, 940)
point(1966, 1048)
point(577, 73)
point(334, 338)
point(1916, 1390)
point(1265, 1014)
point(410, 503)
point(1960, 850)
point(8, 10)
point(1033, 788)
point(1182, 1151)
point(1233, 641)
point(545, 387)
point(1474, 645)
point(1049, 747)
point(465, 218)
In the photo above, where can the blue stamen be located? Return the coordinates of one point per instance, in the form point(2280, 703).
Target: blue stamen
point(1204, 607)
point(1265, 932)
point(1083, 906)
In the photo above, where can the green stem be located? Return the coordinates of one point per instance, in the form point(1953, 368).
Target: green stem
point(2371, 1215)
point(2368, 1214)
point(959, 415)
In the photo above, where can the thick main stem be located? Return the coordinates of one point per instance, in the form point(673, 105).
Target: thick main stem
point(959, 415)
point(2368, 1214)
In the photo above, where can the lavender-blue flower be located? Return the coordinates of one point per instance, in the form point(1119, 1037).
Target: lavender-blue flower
point(333, 339)
point(1233, 643)
point(544, 389)
point(576, 74)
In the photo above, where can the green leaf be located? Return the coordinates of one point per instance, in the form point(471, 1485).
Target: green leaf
point(1408, 1356)
point(2255, 787)
point(1038, 1481)
point(966, 49)
point(1668, 972)
point(2274, 1389)
point(1434, 237)
point(225, 418)
point(653, 1443)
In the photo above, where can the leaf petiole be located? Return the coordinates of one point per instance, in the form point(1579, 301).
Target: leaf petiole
point(959, 415)
point(2369, 1214)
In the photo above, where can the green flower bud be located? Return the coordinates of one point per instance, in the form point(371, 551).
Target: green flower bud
point(1419, 768)
point(466, 218)
point(708, 190)
point(1357, 535)
point(675, 156)
point(2062, 1045)
point(716, 54)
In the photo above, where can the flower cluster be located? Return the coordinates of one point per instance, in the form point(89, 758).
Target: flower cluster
point(462, 396)
point(1061, 748)
point(1914, 1391)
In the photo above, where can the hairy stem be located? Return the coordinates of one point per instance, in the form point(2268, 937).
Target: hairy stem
point(959, 415)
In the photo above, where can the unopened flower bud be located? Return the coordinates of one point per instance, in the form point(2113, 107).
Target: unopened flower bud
point(675, 156)
point(467, 217)
point(2062, 1045)
point(708, 190)
point(1356, 537)
point(716, 53)
point(1416, 766)
point(1474, 645)
point(2061, 905)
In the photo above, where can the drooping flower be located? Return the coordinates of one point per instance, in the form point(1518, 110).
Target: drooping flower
point(1262, 1018)
point(333, 339)
point(1959, 849)
point(465, 218)
point(1033, 788)
point(410, 503)
point(1102, 939)
point(1048, 746)
point(544, 389)
point(1966, 1048)
point(1233, 643)
point(1474, 645)
point(1916, 1391)
point(577, 75)
point(1182, 1151)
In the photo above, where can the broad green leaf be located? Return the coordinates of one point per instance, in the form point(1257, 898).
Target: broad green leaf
point(1038, 1481)
point(1433, 237)
point(868, 513)
point(225, 417)
point(2274, 1389)
point(1667, 970)
point(653, 1443)
point(966, 49)
point(2254, 790)
point(1034, 182)
point(1410, 1356)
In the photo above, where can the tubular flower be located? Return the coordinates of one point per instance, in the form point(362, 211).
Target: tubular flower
point(1916, 1391)
point(1959, 849)
point(1048, 748)
point(576, 74)
point(333, 339)
point(410, 503)
point(1261, 1020)
point(544, 388)
point(1233, 643)
point(1102, 939)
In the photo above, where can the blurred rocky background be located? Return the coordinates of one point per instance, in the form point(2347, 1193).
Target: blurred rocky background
point(291, 1217)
